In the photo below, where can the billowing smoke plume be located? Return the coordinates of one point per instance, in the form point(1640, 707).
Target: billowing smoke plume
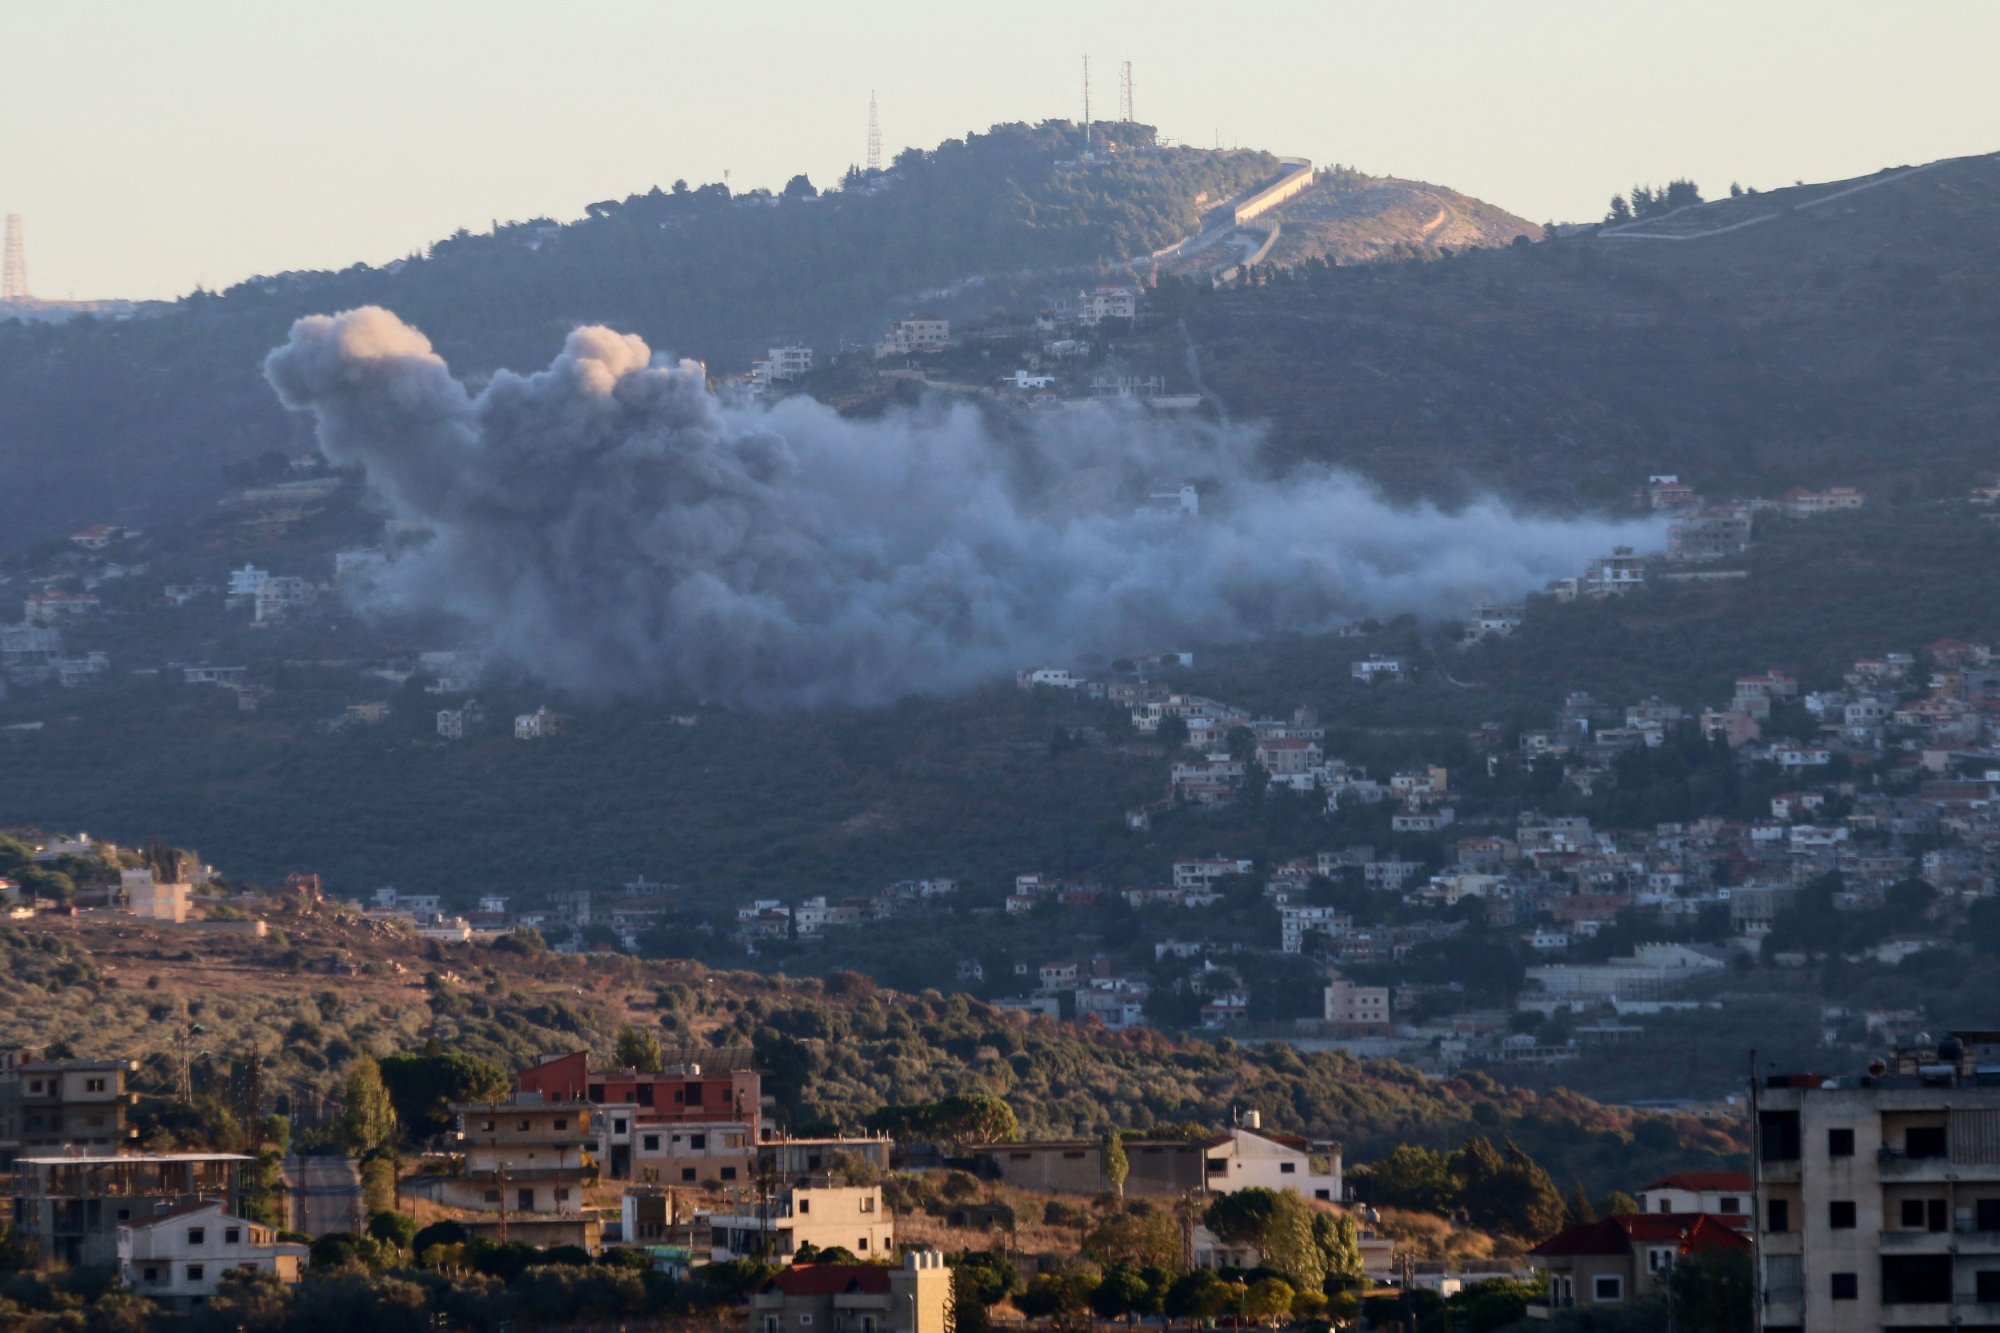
point(613, 526)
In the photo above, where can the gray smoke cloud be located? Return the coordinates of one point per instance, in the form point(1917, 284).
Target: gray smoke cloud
point(613, 526)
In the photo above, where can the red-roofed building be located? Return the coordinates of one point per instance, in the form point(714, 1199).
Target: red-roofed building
point(857, 1298)
point(1616, 1259)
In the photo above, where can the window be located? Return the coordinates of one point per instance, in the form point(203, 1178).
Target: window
point(805, 1206)
point(152, 1274)
point(1916, 1279)
point(562, 1123)
point(698, 1142)
point(1287, 1168)
point(93, 1085)
point(197, 1235)
point(1785, 1279)
point(687, 1174)
point(1217, 1166)
point(618, 1125)
point(562, 1194)
point(195, 1272)
point(1840, 1143)
point(1605, 1290)
point(770, 1323)
point(1778, 1215)
point(1323, 1194)
point(1840, 1214)
point(232, 1236)
point(805, 1321)
point(525, 1200)
point(652, 1143)
point(1846, 1286)
point(1731, 1205)
point(1778, 1135)
point(493, 1196)
point(1913, 1213)
point(1659, 1259)
point(523, 1127)
point(486, 1126)
point(1924, 1141)
point(1987, 1286)
point(868, 1204)
point(729, 1173)
point(861, 1246)
point(1986, 1215)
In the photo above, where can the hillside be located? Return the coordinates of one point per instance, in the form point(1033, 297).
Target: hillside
point(1847, 337)
point(131, 420)
point(1349, 217)
point(833, 1051)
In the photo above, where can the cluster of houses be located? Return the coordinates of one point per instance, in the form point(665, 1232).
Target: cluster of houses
point(1555, 880)
point(810, 918)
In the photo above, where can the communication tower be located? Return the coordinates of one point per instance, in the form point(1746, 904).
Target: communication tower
point(874, 135)
point(1125, 93)
point(14, 278)
point(1086, 104)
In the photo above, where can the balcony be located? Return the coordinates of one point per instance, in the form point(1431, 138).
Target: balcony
point(1919, 1242)
point(1894, 1165)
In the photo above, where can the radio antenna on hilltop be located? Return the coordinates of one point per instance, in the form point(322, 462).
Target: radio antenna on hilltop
point(874, 135)
point(14, 277)
point(1086, 104)
point(1125, 94)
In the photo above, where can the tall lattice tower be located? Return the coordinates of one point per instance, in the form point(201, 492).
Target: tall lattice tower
point(874, 135)
point(1086, 104)
point(14, 279)
point(1125, 94)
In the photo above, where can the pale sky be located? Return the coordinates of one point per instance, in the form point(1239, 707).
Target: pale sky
point(155, 146)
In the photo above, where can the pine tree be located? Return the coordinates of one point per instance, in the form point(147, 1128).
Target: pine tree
point(1290, 1245)
point(1581, 1210)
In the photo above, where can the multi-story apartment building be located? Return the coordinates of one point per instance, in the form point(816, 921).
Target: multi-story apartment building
point(698, 1120)
point(1877, 1197)
point(73, 1207)
point(521, 1156)
point(48, 1106)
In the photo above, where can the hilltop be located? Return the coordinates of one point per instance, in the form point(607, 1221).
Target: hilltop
point(1840, 333)
point(128, 420)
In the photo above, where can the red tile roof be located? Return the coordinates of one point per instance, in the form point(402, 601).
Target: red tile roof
point(831, 1279)
point(1617, 1234)
point(1737, 1182)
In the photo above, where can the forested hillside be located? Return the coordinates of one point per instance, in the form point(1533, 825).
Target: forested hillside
point(132, 420)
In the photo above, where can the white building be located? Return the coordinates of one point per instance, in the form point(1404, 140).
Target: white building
point(180, 1253)
point(1109, 303)
point(919, 333)
point(1249, 1158)
point(538, 725)
point(146, 897)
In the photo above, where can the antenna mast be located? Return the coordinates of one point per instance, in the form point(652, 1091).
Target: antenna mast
point(1086, 104)
point(1125, 94)
point(874, 135)
point(14, 278)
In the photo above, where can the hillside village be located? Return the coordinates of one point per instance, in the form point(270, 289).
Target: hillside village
point(668, 1181)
